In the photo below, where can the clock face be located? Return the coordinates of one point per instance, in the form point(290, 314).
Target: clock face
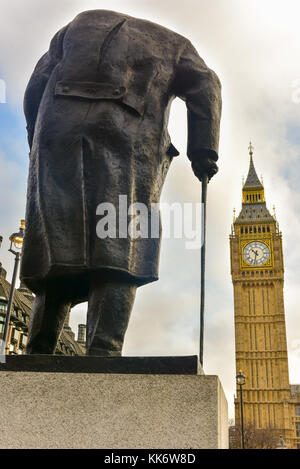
point(256, 253)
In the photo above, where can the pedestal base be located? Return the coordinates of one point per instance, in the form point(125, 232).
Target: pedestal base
point(118, 411)
point(178, 365)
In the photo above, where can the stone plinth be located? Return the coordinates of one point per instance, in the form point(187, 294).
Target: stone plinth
point(107, 410)
point(178, 365)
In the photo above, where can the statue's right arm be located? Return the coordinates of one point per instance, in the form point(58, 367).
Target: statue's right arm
point(200, 88)
point(39, 79)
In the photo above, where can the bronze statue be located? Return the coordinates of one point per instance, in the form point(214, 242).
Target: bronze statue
point(97, 108)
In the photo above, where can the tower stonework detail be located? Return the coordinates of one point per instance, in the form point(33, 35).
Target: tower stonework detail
point(257, 271)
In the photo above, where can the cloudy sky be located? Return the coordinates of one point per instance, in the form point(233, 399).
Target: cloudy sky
point(254, 46)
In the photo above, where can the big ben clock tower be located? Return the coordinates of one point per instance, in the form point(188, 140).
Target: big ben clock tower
point(260, 335)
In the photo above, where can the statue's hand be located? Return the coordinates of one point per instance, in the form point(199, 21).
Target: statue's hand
point(205, 166)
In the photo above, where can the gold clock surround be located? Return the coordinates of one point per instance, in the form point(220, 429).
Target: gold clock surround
point(249, 239)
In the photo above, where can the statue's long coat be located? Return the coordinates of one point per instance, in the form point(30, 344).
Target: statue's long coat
point(97, 108)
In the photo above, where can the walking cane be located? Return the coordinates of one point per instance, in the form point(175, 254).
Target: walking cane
point(203, 243)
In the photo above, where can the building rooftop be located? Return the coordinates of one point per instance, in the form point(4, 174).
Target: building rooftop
point(254, 213)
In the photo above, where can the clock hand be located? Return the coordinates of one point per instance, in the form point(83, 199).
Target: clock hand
point(256, 254)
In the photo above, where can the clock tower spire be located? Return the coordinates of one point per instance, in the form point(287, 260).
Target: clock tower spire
point(257, 272)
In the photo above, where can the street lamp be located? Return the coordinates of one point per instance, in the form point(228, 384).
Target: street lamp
point(240, 381)
point(16, 242)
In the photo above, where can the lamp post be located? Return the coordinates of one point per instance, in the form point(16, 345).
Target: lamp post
point(16, 242)
point(240, 381)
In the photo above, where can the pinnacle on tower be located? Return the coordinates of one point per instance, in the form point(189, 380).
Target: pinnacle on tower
point(253, 203)
point(252, 178)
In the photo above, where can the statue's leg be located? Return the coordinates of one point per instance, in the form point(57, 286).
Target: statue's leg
point(47, 318)
point(110, 305)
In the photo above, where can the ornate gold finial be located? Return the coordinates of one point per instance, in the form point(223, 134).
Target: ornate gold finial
point(250, 148)
point(234, 217)
point(274, 212)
